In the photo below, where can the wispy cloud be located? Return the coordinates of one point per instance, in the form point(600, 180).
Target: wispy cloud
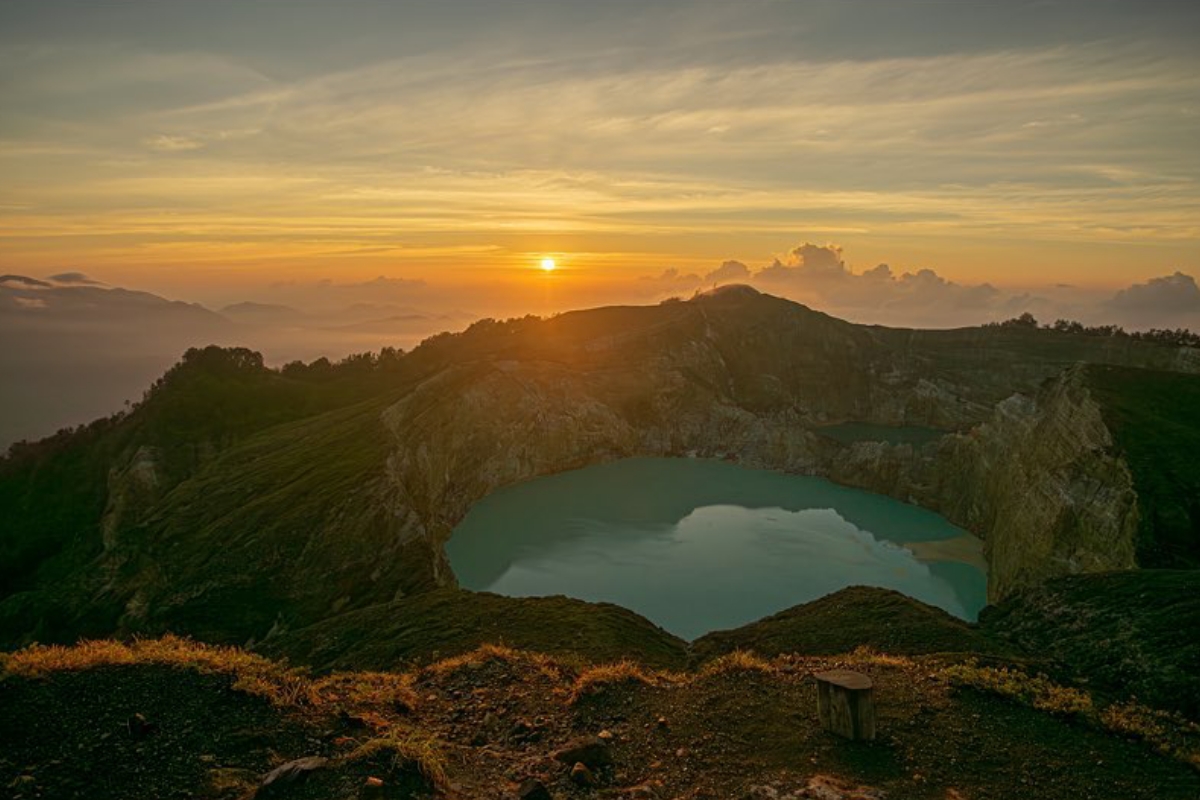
point(510, 144)
point(172, 144)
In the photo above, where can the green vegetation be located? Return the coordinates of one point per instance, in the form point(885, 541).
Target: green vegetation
point(1036, 691)
point(448, 622)
point(1121, 633)
point(1155, 419)
point(1178, 337)
point(1170, 733)
point(859, 616)
point(56, 491)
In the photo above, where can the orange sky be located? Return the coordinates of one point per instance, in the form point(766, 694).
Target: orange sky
point(208, 151)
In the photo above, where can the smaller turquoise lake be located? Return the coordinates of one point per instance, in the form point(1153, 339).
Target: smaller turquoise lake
point(697, 545)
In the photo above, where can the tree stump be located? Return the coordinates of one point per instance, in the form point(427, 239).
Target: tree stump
point(846, 704)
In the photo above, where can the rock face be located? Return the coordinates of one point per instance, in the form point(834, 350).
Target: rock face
point(1049, 496)
point(1039, 482)
point(350, 507)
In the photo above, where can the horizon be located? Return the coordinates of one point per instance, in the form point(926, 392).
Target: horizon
point(212, 154)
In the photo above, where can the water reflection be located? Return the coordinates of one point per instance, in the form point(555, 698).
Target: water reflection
point(702, 545)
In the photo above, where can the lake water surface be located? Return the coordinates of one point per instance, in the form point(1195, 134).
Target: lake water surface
point(698, 545)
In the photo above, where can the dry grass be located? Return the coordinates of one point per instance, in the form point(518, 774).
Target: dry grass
point(1036, 691)
point(407, 749)
point(1169, 733)
point(375, 690)
point(498, 653)
point(738, 662)
point(253, 674)
point(595, 679)
point(866, 655)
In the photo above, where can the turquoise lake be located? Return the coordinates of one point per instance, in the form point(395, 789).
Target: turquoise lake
point(697, 545)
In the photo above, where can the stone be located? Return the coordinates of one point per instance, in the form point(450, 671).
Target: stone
point(581, 775)
point(533, 789)
point(591, 751)
point(290, 773)
point(139, 726)
point(231, 780)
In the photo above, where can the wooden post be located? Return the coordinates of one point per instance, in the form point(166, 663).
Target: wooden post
point(846, 704)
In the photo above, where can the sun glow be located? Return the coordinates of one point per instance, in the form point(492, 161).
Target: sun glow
point(548, 265)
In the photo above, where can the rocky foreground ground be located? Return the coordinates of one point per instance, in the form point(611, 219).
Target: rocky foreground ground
point(174, 719)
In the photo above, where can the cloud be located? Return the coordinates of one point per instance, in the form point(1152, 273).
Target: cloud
point(671, 282)
point(21, 282)
point(1169, 301)
point(1168, 294)
point(729, 272)
point(827, 258)
point(73, 278)
point(173, 144)
point(382, 282)
point(819, 276)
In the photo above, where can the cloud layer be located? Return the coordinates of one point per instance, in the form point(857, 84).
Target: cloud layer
point(818, 275)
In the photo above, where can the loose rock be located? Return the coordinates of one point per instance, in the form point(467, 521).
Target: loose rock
point(290, 773)
point(581, 775)
point(533, 789)
point(591, 751)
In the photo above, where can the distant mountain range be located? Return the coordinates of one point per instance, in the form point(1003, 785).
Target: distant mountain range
point(76, 350)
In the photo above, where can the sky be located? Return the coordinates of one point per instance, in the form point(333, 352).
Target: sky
point(222, 151)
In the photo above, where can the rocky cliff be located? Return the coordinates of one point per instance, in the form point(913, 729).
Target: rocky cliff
point(1039, 481)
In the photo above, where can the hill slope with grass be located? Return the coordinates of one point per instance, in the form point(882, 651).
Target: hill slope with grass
point(237, 501)
point(174, 719)
point(1155, 421)
point(1126, 633)
point(450, 622)
point(859, 616)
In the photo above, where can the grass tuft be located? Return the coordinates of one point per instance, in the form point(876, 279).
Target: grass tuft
point(593, 680)
point(498, 653)
point(407, 749)
point(868, 655)
point(369, 690)
point(738, 662)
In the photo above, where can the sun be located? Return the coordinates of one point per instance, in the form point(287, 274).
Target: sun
point(548, 265)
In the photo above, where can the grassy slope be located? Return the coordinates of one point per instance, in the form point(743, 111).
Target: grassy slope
point(252, 467)
point(448, 622)
point(495, 717)
point(55, 491)
point(287, 511)
point(1123, 632)
point(855, 617)
point(1155, 420)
